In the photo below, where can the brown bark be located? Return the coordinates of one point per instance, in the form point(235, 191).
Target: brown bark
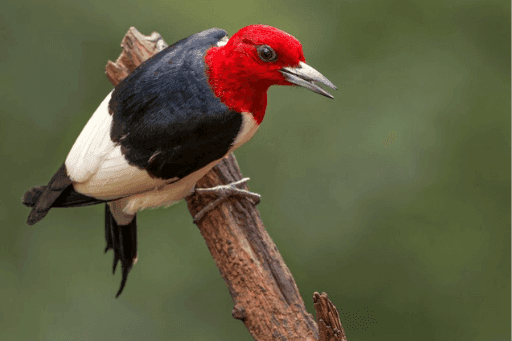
point(263, 290)
point(328, 317)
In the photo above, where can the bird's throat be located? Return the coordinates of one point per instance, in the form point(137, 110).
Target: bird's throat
point(232, 84)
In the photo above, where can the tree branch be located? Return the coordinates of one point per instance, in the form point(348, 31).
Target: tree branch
point(263, 290)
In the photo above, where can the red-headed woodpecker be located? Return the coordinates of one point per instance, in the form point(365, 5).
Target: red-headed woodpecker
point(168, 123)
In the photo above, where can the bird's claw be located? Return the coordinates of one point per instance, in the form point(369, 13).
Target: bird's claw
point(223, 192)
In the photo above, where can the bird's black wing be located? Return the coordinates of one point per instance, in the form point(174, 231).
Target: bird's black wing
point(165, 116)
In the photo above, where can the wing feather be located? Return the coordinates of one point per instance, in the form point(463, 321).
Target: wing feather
point(96, 165)
point(161, 123)
point(92, 146)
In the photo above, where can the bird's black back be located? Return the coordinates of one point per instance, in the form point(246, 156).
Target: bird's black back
point(165, 115)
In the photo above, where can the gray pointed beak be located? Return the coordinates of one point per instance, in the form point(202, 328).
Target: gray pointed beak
point(304, 75)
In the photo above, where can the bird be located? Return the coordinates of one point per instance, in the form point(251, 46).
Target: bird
point(168, 123)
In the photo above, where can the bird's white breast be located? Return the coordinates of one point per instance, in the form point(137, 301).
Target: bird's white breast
point(247, 131)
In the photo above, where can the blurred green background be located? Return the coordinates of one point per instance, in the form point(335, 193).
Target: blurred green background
point(394, 197)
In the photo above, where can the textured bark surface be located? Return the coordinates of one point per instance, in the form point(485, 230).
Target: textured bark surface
point(328, 317)
point(136, 49)
point(263, 290)
point(264, 293)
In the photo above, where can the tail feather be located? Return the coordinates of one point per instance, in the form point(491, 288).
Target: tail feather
point(58, 193)
point(32, 195)
point(123, 240)
point(58, 183)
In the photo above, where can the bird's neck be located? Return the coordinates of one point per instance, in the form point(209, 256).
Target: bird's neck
point(230, 82)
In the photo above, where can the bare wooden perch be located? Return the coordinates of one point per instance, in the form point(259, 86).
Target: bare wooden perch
point(263, 290)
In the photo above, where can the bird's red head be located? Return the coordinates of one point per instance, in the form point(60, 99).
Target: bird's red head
point(253, 59)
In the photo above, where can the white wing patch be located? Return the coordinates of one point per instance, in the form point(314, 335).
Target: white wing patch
point(92, 145)
point(96, 165)
point(115, 178)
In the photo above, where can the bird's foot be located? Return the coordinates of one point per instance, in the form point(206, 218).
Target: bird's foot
point(223, 192)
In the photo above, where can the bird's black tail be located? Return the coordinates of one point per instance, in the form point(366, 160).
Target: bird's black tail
point(123, 240)
point(32, 195)
point(58, 193)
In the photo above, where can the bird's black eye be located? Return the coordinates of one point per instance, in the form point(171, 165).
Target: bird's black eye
point(266, 53)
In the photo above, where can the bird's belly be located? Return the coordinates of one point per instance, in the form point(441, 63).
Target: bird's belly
point(164, 195)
